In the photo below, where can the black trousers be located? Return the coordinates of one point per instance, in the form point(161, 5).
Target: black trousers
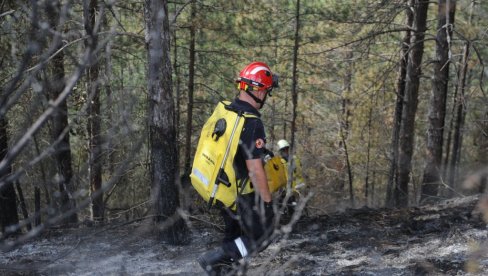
point(246, 227)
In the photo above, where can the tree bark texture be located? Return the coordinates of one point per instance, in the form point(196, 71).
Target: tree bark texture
point(402, 76)
point(437, 105)
point(59, 120)
point(407, 129)
point(162, 140)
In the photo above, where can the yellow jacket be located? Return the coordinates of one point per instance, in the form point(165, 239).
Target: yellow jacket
point(296, 168)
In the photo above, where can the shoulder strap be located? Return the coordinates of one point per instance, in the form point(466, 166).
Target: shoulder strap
point(239, 112)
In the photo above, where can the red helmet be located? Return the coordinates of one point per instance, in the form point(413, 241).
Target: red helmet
point(256, 76)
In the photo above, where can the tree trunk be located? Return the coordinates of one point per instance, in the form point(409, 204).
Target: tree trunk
point(349, 169)
point(482, 141)
point(176, 67)
point(23, 206)
point(109, 109)
point(437, 105)
point(55, 86)
point(459, 122)
point(344, 127)
point(37, 190)
point(191, 86)
point(294, 90)
point(162, 139)
point(8, 199)
point(37, 206)
point(457, 108)
point(407, 129)
point(93, 88)
point(368, 154)
point(402, 74)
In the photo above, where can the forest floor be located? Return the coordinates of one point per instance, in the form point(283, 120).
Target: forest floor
point(448, 238)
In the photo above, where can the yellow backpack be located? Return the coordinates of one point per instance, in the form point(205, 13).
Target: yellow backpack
point(276, 173)
point(213, 174)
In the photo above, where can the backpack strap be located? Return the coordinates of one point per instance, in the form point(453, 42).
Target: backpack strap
point(239, 112)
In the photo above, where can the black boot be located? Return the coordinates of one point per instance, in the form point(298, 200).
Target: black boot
point(215, 262)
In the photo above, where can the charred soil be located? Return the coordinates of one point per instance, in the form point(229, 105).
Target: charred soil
point(449, 238)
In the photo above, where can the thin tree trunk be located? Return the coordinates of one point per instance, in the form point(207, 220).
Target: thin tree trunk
point(373, 191)
point(8, 199)
point(449, 133)
point(393, 173)
point(37, 190)
point(191, 86)
point(37, 206)
point(111, 146)
point(23, 206)
point(285, 111)
point(294, 90)
point(454, 112)
point(349, 170)
point(272, 135)
point(90, 8)
point(368, 153)
point(176, 67)
point(437, 105)
point(344, 124)
point(162, 133)
point(407, 130)
point(459, 122)
point(62, 154)
point(483, 140)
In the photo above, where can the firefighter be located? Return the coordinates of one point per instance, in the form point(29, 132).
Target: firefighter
point(247, 230)
point(294, 169)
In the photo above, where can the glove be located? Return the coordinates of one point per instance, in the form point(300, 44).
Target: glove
point(269, 213)
point(268, 152)
point(267, 155)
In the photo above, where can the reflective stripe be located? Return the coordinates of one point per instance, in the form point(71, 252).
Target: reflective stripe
point(242, 248)
point(257, 69)
point(200, 176)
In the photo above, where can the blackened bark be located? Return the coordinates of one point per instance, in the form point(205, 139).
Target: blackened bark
point(162, 140)
point(8, 199)
point(437, 105)
point(402, 74)
point(55, 86)
point(407, 129)
point(344, 128)
point(37, 206)
point(94, 137)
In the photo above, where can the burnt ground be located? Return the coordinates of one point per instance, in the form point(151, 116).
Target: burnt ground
point(444, 239)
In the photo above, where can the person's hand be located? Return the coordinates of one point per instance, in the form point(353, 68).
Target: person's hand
point(268, 152)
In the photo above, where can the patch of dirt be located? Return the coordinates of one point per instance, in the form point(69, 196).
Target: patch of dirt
point(443, 239)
